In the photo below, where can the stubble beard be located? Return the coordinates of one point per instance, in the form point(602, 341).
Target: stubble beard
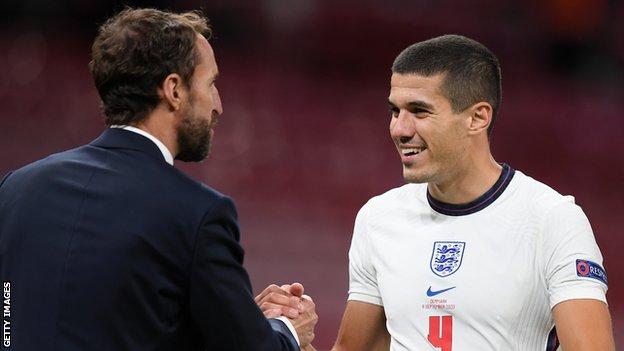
point(194, 137)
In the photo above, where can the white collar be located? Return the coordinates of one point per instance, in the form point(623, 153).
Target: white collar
point(163, 149)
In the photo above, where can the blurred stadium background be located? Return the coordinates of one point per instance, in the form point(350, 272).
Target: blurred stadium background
point(303, 142)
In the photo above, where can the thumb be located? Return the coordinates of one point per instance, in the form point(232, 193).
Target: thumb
point(296, 289)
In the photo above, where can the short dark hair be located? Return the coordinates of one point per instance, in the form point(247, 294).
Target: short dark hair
point(135, 51)
point(472, 72)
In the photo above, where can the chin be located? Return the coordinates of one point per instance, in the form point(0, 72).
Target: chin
point(197, 154)
point(411, 176)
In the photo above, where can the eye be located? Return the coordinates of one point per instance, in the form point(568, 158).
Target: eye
point(213, 81)
point(394, 111)
point(419, 113)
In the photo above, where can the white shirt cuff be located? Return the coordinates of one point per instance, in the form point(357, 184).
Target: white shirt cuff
point(290, 327)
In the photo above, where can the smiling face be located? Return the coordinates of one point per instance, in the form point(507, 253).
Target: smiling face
point(432, 140)
point(200, 113)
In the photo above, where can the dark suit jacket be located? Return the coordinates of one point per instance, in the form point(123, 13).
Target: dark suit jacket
point(107, 247)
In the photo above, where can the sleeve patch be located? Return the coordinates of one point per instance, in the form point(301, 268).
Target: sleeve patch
point(589, 269)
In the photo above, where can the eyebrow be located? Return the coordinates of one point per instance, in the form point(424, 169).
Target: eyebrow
point(421, 105)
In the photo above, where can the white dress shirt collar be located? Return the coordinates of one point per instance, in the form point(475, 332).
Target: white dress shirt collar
point(163, 149)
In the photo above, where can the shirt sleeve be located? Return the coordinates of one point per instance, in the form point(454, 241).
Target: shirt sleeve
point(221, 303)
point(290, 327)
point(362, 275)
point(573, 259)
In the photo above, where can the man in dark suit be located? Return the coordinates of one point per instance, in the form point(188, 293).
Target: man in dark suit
point(109, 247)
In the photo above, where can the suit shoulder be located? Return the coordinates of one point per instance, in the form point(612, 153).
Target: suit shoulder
point(52, 160)
point(195, 187)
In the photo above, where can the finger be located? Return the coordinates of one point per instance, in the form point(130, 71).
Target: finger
point(296, 289)
point(272, 313)
point(264, 292)
point(290, 312)
point(282, 300)
point(285, 287)
point(307, 297)
point(269, 290)
point(308, 304)
point(281, 310)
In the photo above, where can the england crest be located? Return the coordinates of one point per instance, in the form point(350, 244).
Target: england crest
point(446, 257)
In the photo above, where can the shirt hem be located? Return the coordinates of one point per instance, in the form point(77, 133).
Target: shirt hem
point(365, 298)
point(591, 294)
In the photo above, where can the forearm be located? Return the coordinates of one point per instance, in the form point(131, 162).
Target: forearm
point(363, 328)
point(584, 325)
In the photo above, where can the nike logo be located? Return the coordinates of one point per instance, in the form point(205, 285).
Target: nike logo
point(431, 293)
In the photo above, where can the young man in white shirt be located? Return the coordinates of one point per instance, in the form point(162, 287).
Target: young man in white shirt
point(470, 254)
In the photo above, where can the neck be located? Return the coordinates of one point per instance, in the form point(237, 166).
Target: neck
point(471, 181)
point(160, 130)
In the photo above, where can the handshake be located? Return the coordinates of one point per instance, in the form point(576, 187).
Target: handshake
point(290, 302)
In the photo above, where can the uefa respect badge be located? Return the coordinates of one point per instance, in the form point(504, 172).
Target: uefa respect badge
point(589, 269)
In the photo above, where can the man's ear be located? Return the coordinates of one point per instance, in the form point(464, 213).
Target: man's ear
point(480, 117)
point(172, 91)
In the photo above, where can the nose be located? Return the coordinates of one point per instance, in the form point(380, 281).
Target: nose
point(402, 127)
point(217, 102)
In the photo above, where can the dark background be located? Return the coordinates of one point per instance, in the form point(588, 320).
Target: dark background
point(304, 142)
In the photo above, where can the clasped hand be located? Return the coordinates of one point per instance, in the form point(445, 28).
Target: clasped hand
point(289, 301)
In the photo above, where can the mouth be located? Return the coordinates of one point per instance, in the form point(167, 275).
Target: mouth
point(412, 151)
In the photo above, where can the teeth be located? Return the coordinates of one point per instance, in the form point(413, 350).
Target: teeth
point(412, 151)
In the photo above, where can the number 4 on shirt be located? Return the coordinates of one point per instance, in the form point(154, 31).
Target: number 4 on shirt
point(441, 332)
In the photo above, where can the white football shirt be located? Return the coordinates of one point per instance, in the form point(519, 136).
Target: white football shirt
point(481, 276)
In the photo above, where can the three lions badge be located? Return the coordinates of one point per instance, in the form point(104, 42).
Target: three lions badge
point(446, 257)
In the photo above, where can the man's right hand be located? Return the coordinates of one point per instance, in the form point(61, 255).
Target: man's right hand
point(306, 322)
point(289, 301)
